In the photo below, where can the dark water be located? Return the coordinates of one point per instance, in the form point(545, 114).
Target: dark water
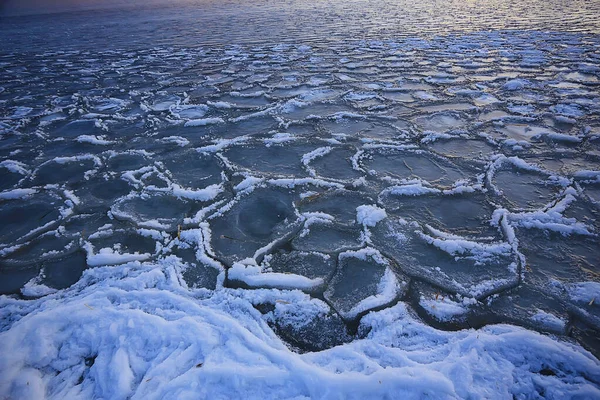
point(201, 22)
point(222, 131)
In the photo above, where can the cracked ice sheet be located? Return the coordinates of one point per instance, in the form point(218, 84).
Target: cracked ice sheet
point(170, 342)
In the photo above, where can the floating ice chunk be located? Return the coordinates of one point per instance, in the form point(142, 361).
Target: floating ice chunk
point(21, 112)
point(459, 246)
point(220, 144)
point(364, 281)
point(16, 194)
point(164, 103)
point(108, 256)
point(410, 189)
point(549, 321)
point(471, 267)
point(308, 264)
point(516, 145)
point(278, 138)
point(257, 93)
point(498, 161)
point(206, 194)
point(431, 136)
point(343, 115)
point(485, 99)
point(550, 218)
point(462, 187)
point(422, 95)
point(445, 309)
point(141, 209)
point(292, 183)
point(84, 157)
point(588, 175)
point(254, 277)
point(569, 110)
point(312, 218)
point(308, 157)
point(526, 109)
point(319, 152)
point(178, 140)
point(204, 122)
point(189, 112)
point(16, 167)
point(317, 81)
point(247, 183)
point(91, 139)
point(108, 104)
point(151, 233)
point(358, 96)
point(516, 84)
point(441, 122)
point(252, 223)
point(369, 215)
point(291, 105)
point(220, 104)
point(559, 137)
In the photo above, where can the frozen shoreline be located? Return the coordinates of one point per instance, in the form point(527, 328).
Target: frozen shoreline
point(134, 331)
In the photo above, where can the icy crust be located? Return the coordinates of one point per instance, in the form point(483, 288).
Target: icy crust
point(363, 281)
point(135, 332)
point(474, 268)
point(444, 308)
point(311, 176)
point(252, 276)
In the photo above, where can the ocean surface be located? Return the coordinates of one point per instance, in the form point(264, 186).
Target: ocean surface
point(300, 199)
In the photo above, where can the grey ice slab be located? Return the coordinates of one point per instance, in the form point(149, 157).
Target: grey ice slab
point(523, 190)
point(363, 281)
point(254, 221)
point(275, 159)
point(463, 148)
point(462, 214)
point(21, 217)
point(473, 267)
point(341, 204)
point(411, 165)
point(192, 169)
point(312, 265)
point(336, 165)
point(159, 211)
point(327, 238)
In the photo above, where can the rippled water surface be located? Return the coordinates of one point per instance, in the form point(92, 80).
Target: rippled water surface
point(441, 154)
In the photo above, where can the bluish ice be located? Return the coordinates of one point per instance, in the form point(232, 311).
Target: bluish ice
point(218, 200)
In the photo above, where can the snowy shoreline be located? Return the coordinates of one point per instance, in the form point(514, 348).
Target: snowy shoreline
point(134, 331)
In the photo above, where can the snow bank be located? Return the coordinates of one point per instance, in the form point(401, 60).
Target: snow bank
point(134, 332)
